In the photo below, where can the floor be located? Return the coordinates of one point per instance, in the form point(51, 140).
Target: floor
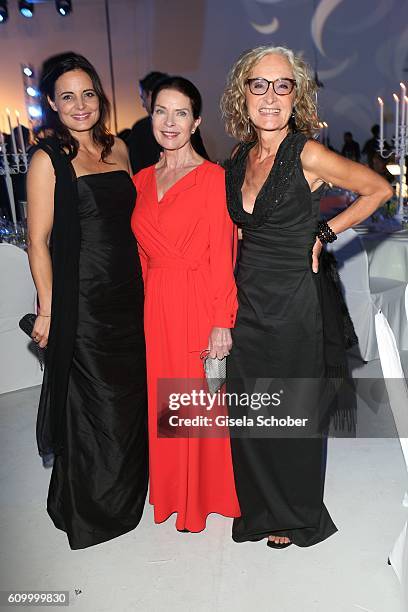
point(155, 569)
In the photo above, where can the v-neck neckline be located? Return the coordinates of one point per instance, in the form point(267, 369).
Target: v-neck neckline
point(274, 188)
point(176, 184)
point(268, 178)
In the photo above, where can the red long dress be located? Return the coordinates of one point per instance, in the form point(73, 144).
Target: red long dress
point(185, 244)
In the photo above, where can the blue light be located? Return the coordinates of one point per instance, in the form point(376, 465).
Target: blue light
point(32, 92)
point(27, 71)
point(3, 11)
point(26, 8)
point(34, 112)
point(64, 7)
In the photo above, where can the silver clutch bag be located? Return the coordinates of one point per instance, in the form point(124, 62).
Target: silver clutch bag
point(215, 371)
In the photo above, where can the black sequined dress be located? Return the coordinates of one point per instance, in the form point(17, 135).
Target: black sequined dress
point(278, 334)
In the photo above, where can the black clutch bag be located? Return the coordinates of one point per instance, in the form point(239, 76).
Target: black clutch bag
point(27, 325)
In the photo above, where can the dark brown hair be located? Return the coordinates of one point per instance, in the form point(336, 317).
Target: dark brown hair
point(52, 69)
point(184, 86)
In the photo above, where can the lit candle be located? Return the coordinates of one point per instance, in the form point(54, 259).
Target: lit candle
point(381, 103)
point(396, 140)
point(406, 111)
point(403, 95)
point(20, 133)
point(13, 140)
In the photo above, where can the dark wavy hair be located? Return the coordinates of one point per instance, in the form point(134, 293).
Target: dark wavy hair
point(184, 86)
point(52, 69)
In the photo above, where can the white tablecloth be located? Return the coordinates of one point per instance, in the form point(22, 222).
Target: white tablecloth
point(19, 366)
point(387, 254)
point(366, 293)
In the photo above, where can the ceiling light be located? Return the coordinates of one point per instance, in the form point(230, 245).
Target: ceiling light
point(3, 11)
point(64, 7)
point(34, 111)
point(26, 8)
point(28, 71)
point(32, 92)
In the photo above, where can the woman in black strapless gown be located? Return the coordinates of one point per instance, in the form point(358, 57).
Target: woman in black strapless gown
point(93, 406)
point(274, 183)
point(98, 486)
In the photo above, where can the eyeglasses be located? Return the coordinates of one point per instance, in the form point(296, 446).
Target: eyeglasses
point(282, 87)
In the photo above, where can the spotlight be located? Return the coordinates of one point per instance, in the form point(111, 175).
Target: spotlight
point(34, 111)
point(64, 7)
point(31, 92)
point(26, 8)
point(3, 11)
point(28, 71)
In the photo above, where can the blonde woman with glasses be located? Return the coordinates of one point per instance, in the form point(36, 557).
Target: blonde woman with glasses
point(289, 326)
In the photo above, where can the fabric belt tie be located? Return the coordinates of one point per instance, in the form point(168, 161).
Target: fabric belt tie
point(196, 319)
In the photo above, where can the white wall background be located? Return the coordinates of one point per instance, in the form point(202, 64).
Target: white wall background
point(361, 48)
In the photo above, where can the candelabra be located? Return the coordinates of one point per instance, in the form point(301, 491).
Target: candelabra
point(12, 163)
point(400, 145)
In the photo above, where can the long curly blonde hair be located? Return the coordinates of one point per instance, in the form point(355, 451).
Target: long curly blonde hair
point(233, 104)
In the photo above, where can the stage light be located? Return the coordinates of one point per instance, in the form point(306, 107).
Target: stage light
point(28, 71)
point(26, 8)
point(34, 111)
point(31, 91)
point(64, 7)
point(3, 11)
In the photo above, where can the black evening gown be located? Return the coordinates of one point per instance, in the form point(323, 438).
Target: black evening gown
point(99, 481)
point(278, 334)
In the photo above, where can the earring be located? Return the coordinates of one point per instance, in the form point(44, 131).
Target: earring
point(248, 125)
point(192, 131)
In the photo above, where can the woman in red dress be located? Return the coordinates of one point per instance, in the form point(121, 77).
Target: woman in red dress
point(185, 242)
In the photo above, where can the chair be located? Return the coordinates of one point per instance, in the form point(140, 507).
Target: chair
point(19, 365)
point(397, 389)
point(365, 296)
point(406, 303)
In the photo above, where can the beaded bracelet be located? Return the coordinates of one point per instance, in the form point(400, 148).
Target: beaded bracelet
point(325, 232)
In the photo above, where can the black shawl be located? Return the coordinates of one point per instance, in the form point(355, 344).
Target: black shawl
point(64, 247)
